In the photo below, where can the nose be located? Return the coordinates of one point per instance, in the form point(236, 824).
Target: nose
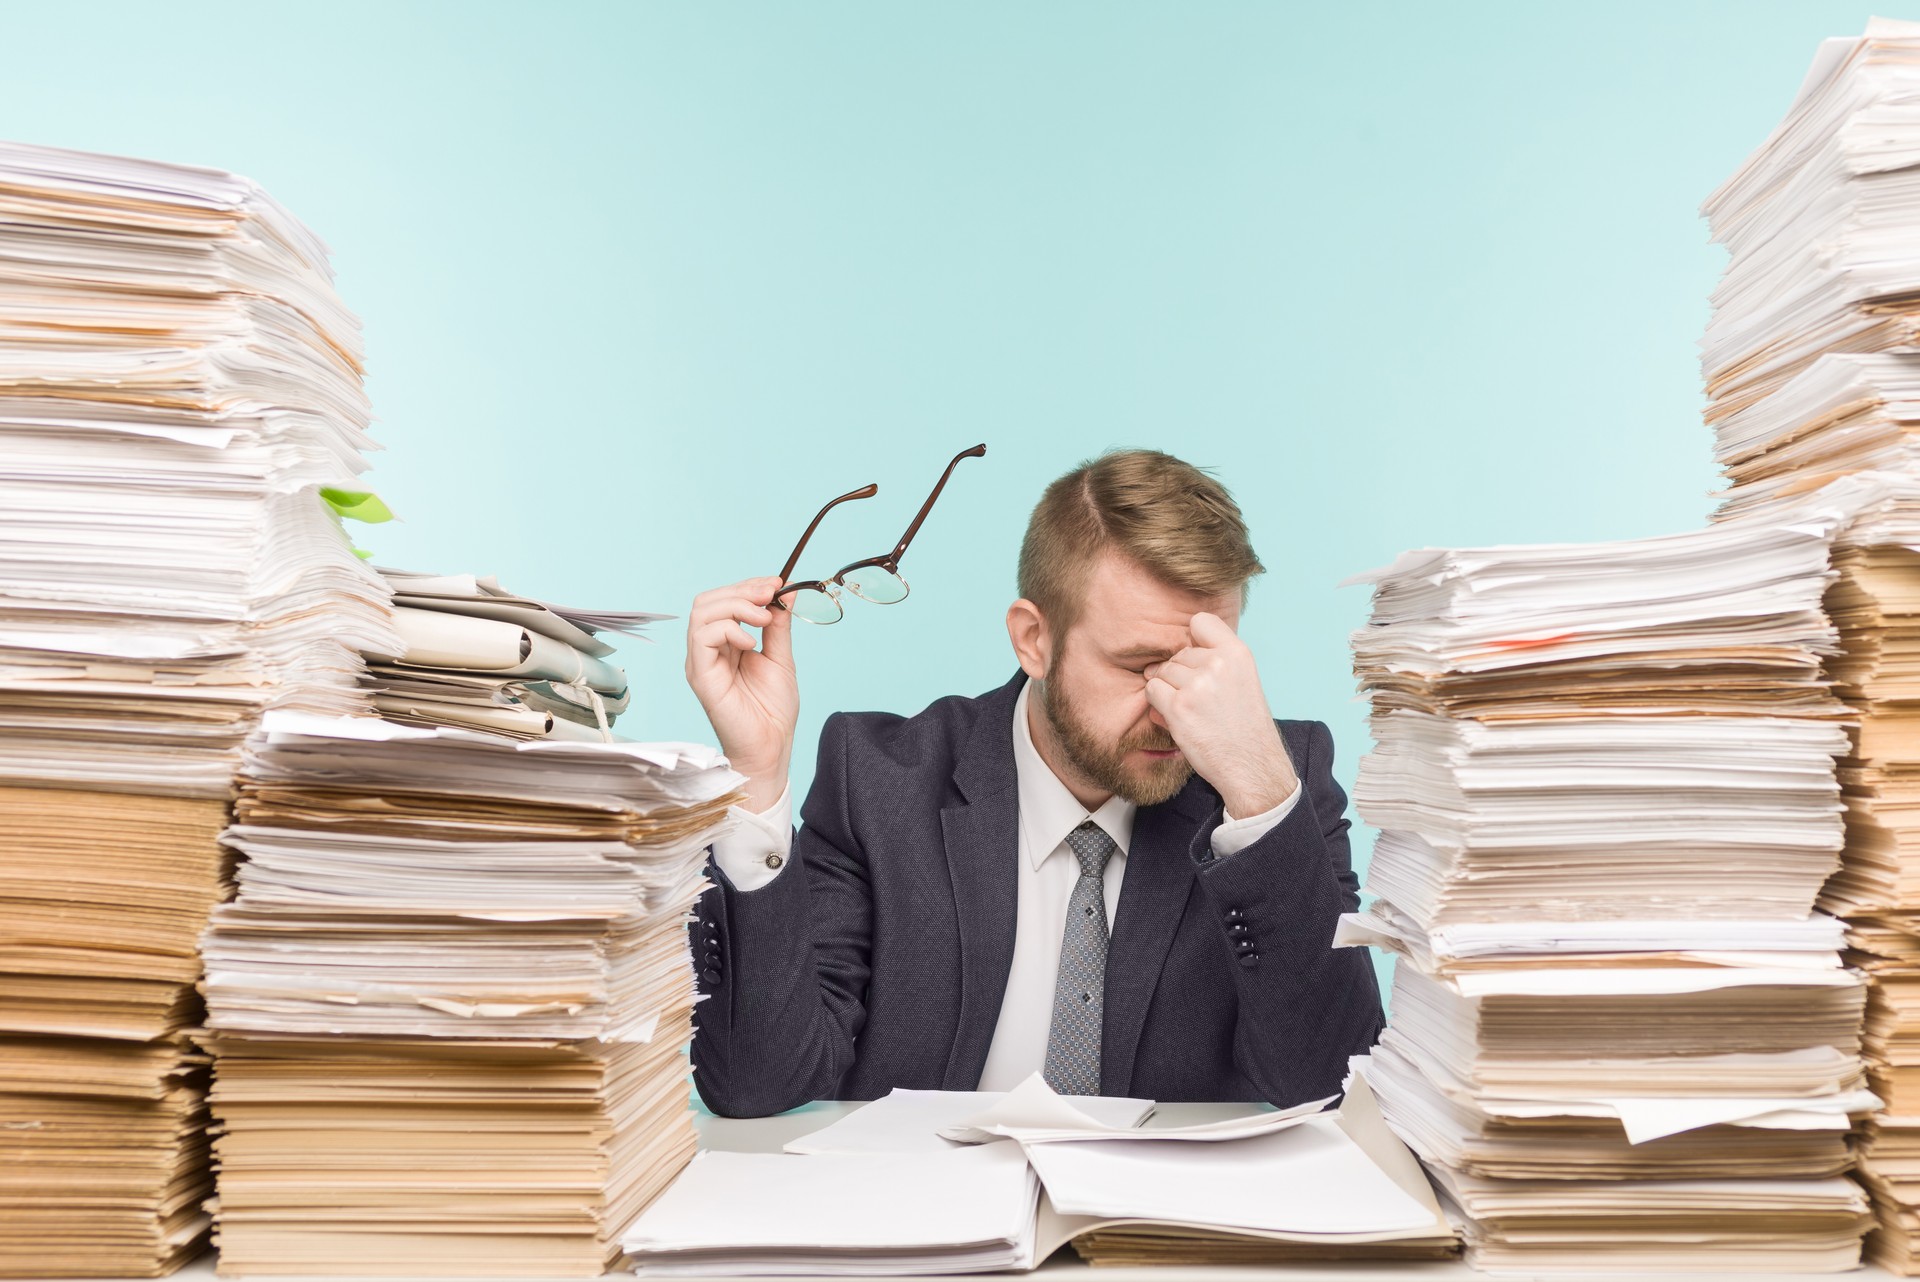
point(1153, 715)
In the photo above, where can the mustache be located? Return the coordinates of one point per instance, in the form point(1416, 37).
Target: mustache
point(1159, 741)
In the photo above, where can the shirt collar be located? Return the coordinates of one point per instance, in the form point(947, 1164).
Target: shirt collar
point(1048, 811)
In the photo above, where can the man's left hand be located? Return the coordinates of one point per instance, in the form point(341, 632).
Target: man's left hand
point(1209, 695)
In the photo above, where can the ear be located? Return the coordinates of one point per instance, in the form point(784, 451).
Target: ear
point(1032, 640)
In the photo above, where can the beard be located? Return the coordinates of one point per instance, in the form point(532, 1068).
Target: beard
point(1104, 764)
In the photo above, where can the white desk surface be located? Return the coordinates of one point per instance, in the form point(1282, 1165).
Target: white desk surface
point(768, 1134)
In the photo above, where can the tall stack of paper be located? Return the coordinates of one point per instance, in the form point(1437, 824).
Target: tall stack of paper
point(178, 382)
point(1888, 949)
point(1876, 604)
point(1812, 361)
point(1576, 730)
point(477, 657)
point(1605, 779)
point(1812, 355)
point(178, 385)
point(450, 1002)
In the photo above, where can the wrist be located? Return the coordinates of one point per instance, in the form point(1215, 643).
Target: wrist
point(1265, 786)
point(763, 762)
point(1244, 804)
point(764, 787)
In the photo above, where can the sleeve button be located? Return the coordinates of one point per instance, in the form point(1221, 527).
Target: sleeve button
point(774, 861)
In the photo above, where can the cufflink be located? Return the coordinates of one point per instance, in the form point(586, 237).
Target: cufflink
point(774, 861)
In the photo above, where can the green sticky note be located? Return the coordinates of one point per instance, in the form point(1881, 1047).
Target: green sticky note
point(358, 505)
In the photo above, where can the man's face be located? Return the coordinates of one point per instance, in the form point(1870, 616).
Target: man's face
point(1095, 691)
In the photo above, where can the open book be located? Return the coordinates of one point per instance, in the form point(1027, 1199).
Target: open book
point(1269, 1187)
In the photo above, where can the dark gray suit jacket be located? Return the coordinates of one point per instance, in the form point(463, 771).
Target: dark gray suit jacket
point(880, 960)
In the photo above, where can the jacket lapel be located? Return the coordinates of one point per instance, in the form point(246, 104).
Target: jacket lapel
point(1153, 897)
point(982, 836)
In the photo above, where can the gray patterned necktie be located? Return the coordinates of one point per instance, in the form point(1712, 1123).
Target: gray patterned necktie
point(1079, 994)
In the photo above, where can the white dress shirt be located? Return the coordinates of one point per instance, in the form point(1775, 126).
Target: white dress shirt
point(755, 852)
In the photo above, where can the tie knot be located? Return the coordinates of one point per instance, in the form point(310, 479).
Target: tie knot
point(1092, 846)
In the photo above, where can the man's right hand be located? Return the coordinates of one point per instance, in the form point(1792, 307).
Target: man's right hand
point(751, 696)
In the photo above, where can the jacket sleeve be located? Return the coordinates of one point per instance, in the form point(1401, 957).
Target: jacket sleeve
point(783, 969)
point(1304, 1005)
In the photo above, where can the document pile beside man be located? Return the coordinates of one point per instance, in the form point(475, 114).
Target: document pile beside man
point(1810, 355)
point(450, 1003)
point(1812, 362)
point(1876, 605)
point(1576, 730)
point(479, 658)
point(179, 385)
point(1604, 774)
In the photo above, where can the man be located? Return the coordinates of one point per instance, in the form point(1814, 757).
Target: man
point(941, 920)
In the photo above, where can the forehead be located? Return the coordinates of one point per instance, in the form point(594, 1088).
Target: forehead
point(1129, 613)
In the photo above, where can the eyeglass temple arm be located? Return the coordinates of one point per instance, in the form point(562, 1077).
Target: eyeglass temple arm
point(864, 492)
point(978, 451)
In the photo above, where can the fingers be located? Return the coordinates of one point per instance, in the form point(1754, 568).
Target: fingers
point(760, 589)
point(714, 630)
point(776, 638)
point(715, 633)
point(745, 601)
point(713, 624)
point(730, 612)
point(1172, 672)
point(1210, 630)
point(1214, 643)
point(1183, 664)
point(710, 646)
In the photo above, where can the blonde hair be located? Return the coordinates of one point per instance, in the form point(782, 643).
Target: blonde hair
point(1170, 517)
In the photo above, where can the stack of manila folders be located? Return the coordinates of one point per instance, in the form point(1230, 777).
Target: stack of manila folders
point(474, 656)
point(923, 1182)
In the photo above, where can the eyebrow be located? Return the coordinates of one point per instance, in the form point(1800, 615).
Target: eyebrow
point(1143, 652)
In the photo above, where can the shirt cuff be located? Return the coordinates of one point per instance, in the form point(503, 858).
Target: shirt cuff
point(1234, 835)
point(755, 851)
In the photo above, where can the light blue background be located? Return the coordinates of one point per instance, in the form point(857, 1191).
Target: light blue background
point(645, 284)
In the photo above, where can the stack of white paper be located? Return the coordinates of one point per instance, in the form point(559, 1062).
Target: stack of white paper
point(1531, 1079)
point(450, 1002)
point(875, 1214)
point(1810, 356)
point(179, 385)
point(1605, 778)
point(881, 1195)
point(1604, 730)
point(178, 382)
point(478, 657)
point(1812, 361)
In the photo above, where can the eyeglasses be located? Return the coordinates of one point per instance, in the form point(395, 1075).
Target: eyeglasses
point(876, 579)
